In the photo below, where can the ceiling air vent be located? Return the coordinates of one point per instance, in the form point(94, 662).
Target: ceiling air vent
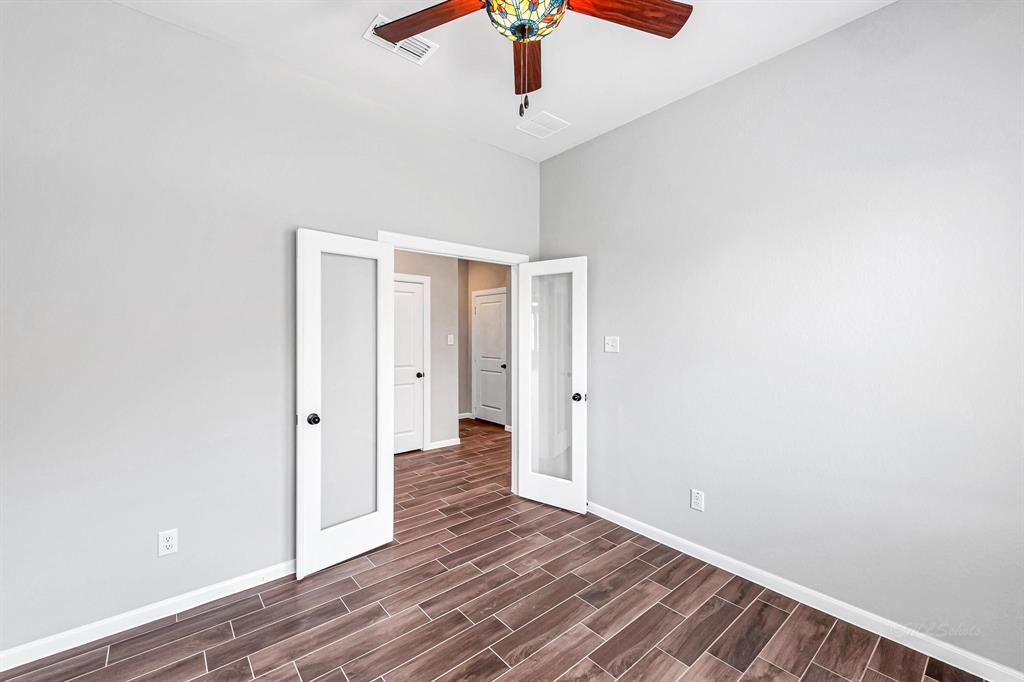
point(416, 49)
point(543, 125)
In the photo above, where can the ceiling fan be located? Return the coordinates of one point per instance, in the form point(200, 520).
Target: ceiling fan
point(526, 22)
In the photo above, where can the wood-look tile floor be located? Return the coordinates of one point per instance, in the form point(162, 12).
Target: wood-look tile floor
point(480, 585)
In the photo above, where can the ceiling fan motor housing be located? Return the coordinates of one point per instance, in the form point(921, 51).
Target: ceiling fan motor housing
point(525, 20)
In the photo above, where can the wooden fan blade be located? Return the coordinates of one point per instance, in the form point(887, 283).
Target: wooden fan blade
point(660, 17)
point(414, 24)
point(527, 62)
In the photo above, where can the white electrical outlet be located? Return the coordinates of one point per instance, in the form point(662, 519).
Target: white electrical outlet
point(611, 344)
point(697, 499)
point(168, 542)
point(451, 339)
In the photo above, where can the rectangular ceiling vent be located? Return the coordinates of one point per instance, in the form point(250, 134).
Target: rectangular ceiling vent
point(543, 125)
point(416, 49)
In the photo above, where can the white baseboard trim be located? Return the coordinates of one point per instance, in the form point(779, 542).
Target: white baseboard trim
point(508, 428)
point(944, 651)
point(466, 415)
point(441, 444)
point(40, 648)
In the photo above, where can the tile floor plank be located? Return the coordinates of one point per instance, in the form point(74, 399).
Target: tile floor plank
point(615, 615)
point(272, 634)
point(290, 649)
point(796, 642)
point(483, 667)
point(898, 662)
point(710, 669)
point(740, 592)
point(586, 671)
point(846, 650)
point(615, 583)
point(522, 612)
point(69, 667)
point(631, 643)
point(451, 653)
point(609, 561)
point(656, 665)
point(818, 674)
point(677, 571)
point(303, 602)
point(404, 648)
point(538, 557)
point(467, 591)
point(522, 643)
point(700, 630)
point(763, 671)
point(696, 590)
point(742, 641)
point(556, 658)
point(336, 654)
point(491, 602)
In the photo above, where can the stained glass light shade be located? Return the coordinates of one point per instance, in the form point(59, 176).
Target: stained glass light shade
point(525, 20)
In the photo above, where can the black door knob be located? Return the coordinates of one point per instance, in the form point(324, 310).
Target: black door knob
point(313, 419)
point(419, 375)
point(577, 397)
point(504, 366)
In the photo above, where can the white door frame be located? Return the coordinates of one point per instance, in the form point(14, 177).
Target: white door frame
point(472, 333)
point(425, 281)
point(436, 247)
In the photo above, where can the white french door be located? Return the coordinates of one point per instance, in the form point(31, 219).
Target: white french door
point(344, 398)
point(552, 370)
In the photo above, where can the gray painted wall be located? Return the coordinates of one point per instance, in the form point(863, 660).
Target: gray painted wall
point(816, 270)
point(444, 320)
point(152, 183)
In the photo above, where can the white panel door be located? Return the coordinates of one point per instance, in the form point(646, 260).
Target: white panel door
point(552, 396)
point(410, 365)
point(490, 360)
point(344, 503)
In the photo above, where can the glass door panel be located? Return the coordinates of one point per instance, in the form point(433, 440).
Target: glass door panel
point(553, 382)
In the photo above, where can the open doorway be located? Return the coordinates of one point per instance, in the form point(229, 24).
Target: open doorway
point(453, 340)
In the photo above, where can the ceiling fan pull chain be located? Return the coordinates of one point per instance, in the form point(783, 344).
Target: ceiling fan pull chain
point(526, 101)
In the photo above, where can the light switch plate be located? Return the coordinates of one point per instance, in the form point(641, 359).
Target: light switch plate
point(611, 344)
point(451, 339)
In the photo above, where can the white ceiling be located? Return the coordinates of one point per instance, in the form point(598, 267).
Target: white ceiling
point(597, 75)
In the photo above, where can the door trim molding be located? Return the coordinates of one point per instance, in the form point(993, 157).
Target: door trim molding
point(90, 632)
point(427, 373)
point(437, 247)
point(944, 651)
point(472, 336)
